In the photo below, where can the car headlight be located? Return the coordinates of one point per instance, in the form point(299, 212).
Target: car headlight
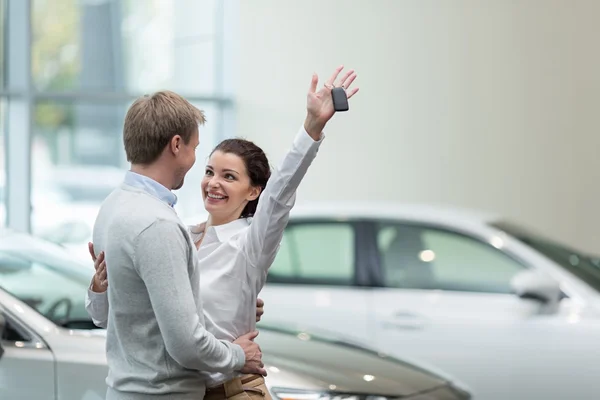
point(295, 394)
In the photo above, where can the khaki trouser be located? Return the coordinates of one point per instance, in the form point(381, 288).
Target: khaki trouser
point(247, 387)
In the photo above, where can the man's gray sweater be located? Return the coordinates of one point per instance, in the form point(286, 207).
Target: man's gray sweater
point(156, 341)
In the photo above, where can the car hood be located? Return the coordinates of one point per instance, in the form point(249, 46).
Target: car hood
point(328, 364)
point(325, 364)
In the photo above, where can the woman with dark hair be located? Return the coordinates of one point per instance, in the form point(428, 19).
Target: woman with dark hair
point(248, 211)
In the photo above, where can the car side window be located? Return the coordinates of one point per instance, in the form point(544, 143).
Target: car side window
point(420, 257)
point(317, 253)
point(10, 333)
point(40, 286)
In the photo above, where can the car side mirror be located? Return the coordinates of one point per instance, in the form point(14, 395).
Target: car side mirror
point(536, 285)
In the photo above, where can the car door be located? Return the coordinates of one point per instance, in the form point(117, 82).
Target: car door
point(446, 300)
point(313, 283)
point(26, 363)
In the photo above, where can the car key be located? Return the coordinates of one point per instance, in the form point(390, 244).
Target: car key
point(340, 99)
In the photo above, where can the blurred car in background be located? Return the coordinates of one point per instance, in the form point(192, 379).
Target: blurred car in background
point(49, 348)
point(512, 314)
point(65, 203)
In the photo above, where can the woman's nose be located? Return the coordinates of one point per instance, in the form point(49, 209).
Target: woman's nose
point(213, 183)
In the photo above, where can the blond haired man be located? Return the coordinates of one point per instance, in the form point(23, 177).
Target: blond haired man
point(156, 341)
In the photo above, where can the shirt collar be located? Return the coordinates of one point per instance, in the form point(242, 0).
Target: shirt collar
point(221, 233)
point(151, 187)
point(225, 232)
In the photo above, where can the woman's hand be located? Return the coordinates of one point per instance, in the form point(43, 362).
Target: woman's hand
point(99, 281)
point(200, 228)
point(319, 104)
point(260, 309)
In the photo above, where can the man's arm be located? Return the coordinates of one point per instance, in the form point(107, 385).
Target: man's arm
point(161, 258)
point(96, 301)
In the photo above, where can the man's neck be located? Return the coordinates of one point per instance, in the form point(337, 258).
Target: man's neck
point(153, 172)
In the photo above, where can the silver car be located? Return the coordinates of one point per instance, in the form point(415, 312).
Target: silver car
point(49, 349)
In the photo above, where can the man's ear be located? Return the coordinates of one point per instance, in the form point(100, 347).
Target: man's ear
point(254, 193)
point(175, 144)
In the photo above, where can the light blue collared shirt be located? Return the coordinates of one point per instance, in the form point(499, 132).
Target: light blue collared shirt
point(151, 187)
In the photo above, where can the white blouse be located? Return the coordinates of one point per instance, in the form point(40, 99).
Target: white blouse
point(234, 258)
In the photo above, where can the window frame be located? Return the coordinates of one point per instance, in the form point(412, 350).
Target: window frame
point(359, 248)
point(380, 282)
point(20, 94)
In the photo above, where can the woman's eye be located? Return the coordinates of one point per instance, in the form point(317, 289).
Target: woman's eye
point(230, 177)
point(208, 172)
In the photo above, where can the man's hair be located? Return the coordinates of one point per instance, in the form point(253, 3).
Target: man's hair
point(153, 120)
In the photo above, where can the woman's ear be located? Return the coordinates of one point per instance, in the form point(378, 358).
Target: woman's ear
point(254, 193)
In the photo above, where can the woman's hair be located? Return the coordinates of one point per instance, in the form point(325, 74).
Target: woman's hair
point(257, 166)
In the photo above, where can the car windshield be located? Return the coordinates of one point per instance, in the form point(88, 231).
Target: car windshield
point(578, 263)
point(45, 277)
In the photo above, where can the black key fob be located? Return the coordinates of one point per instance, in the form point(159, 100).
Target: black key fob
point(340, 100)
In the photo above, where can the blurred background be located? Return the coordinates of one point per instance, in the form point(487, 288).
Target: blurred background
point(486, 106)
point(70, 69)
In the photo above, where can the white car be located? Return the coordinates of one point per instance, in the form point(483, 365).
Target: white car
point(510, 313)
point(58, 219)
point(50, 350)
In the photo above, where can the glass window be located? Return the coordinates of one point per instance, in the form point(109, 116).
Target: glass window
point(2, 165)
point(170, 44)
point(89, 60)
point(428, 258)
point(77, 160)
point(12, 333)
point(2, 44)
point(585, 267)
point(315, 253)
point(130, 45)
point(56, 50)
point(44, 277)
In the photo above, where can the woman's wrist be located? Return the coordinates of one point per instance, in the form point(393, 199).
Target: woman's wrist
point(97, 287)
point(313, 127)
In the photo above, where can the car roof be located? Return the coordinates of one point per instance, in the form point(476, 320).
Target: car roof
point(393, 210)
point(433, 213)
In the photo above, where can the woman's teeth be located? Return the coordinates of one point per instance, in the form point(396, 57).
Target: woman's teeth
point(216, 196)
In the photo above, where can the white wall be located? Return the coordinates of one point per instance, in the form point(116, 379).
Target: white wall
point(491, 104)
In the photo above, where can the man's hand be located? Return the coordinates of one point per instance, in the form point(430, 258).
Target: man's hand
point(260, 309)
point(319, 105)
point(254, 364)
point(99, 281)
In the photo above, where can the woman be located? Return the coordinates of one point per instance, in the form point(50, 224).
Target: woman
point(239, 241)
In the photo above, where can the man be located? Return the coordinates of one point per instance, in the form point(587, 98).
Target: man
point(156, 342)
